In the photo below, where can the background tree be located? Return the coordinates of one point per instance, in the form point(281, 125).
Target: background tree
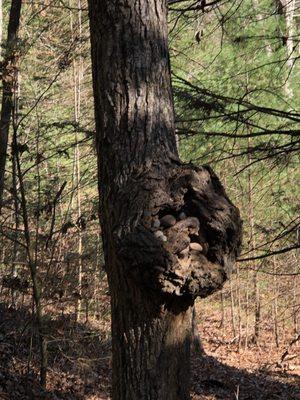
point(9, 72)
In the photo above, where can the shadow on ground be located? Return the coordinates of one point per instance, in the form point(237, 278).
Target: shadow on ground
point(79, 366)
point(78, 358)
point(215, 380)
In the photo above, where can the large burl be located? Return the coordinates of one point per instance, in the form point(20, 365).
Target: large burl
point(186, 241)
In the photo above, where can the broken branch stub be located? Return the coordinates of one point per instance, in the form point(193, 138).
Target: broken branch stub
point(186, 242)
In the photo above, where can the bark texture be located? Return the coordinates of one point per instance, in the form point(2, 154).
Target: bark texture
point(170, 233)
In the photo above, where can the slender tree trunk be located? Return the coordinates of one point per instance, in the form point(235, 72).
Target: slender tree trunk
point(275, 303)
point(15, 120)
point(239, 305)
point(232, 308)
point(257, 301)
point(256, 6)
point(31, 249)
point(290, 27)
point(291, 43)
point(247, 308)
point(36, 289)
point(9, 73)
point(221, 326)
point(79, 244)
point(77, 78)
point(1, 28)
point(250, 212)
point(151, 205)
point(296, 288)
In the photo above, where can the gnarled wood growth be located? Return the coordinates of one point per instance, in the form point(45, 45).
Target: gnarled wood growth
point(170, 233)
point(187, 234)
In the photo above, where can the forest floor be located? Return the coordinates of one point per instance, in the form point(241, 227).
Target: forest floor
point(79, 362)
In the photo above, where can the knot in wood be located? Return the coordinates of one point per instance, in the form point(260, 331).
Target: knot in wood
point(190, 242)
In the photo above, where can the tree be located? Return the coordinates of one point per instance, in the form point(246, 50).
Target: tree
point(170, 233)
point(9, 79)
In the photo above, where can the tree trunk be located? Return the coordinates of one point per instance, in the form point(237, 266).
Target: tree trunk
point(252, 243)
point(1, 28)
point(77, 80)
point(151, 205)
point(291, 43)
point(9, 73)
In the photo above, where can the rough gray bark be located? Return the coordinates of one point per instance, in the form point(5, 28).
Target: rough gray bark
point(169, 231)
point(9, 79)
